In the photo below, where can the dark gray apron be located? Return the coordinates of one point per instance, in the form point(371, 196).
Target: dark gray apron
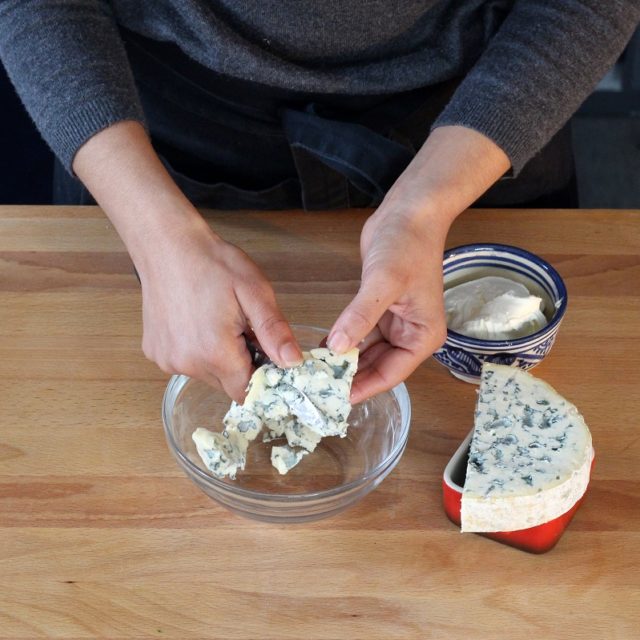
point(230, 144)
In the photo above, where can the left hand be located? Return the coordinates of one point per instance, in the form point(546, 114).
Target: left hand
point(397, 317)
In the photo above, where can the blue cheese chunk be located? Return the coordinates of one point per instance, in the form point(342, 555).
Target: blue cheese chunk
point(273, 432)
point(285, 458)
point(296, 434)
point(530, 455)
point(223, 453)
point(302, 404)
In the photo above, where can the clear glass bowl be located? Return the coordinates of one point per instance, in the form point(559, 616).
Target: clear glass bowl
point(335, 476)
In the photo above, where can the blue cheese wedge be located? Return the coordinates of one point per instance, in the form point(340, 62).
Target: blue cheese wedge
point(530, 455)
point(302, 404)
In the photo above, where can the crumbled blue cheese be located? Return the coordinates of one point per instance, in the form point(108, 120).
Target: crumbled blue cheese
point(302, 404)
point(284, 458)
point(223, 453)
point(530, 455)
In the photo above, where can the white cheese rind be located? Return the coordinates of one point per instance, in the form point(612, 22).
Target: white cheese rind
point(303, 404)
point(530, 455)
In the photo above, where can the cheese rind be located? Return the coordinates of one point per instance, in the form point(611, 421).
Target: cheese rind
point(530, 454)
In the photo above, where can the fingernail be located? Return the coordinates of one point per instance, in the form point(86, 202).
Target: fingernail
point(356, 396)
point(290, 355)
point(339, 342)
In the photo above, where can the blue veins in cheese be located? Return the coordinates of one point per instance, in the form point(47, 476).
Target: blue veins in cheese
point(302, 405)
point(285, 458)
point(530, 455)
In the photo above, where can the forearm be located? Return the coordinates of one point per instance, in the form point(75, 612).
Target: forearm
point(125, 176)
point(454, 167)
point(200, 294)
point(542, 63)
point(69, 66)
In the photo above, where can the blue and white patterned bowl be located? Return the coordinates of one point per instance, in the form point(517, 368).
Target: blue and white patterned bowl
point(463, 356)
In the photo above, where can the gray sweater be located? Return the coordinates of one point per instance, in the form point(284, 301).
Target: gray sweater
point(527, 64)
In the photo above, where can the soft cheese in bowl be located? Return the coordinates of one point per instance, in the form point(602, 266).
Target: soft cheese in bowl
point(493, 308)
point(281, 459)
point(503, 304)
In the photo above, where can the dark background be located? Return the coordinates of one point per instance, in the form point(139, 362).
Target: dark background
point(606, 140)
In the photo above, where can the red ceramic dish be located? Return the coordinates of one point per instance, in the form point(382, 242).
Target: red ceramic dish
point(538, 539)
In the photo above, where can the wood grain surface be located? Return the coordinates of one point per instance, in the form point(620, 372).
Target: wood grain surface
point(101, 535)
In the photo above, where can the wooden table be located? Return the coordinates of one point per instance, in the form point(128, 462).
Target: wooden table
point(101, 535)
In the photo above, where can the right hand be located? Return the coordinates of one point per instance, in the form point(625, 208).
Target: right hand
point(200, 295)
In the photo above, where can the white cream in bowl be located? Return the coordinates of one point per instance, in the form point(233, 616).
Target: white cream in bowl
point(493, 308)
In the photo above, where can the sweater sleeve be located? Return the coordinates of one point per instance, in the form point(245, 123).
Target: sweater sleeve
point(69, 66)
point(542, 63)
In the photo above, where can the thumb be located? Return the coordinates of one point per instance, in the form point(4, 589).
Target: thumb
point(271, 329)
point(377, 293)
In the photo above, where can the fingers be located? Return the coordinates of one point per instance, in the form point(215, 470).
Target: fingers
point(269, 325)
point(389, 367)
point(368, 357)
point(234, 385)
point(384, 365)
point(233, 366)
point(372, 338)
point(377, 293)
point(220, 363)
point(216, 293)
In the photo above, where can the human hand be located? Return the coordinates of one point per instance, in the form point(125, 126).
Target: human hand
point(200, 296)
point(397, 317)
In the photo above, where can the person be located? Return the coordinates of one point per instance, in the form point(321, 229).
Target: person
point(416, 109)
